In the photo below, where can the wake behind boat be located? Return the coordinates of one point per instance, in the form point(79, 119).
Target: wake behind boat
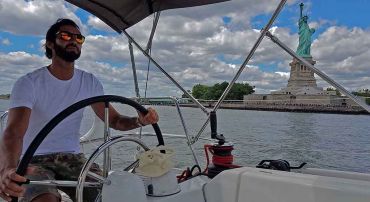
point(152, 177)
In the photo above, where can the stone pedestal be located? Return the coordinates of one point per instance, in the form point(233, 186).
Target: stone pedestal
point(300, 75)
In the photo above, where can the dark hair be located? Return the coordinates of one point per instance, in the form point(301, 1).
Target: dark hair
point(51, 34)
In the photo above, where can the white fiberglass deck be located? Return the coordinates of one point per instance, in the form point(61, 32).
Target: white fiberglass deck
point(259, 185)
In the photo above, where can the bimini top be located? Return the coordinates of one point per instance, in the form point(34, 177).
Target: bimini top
point(121, 14)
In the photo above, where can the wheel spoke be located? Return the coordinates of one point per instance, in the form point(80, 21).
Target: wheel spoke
point(95, 176)
point(132, 166)
point(64, 183)
point(107, 136)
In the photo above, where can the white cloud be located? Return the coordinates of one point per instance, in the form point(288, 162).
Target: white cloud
point(321, 23)
point(105, 48)
point(285, 74)
point(96, 23)
point(195, 46)
point(343, 53)
point(6, 42)
point(34, 16)
point(15, 64)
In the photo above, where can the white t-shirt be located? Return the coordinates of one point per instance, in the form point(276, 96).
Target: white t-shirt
point(46, 96)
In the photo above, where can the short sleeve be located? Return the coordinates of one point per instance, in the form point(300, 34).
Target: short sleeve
point(98, 87)
point(22, 94)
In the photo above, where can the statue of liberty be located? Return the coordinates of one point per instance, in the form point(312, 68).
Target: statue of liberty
point(305, 34)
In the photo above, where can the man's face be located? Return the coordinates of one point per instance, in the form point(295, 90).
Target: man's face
point(68, 50)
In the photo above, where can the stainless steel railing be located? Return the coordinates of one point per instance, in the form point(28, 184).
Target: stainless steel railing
point(96, 126)
point(188, 137)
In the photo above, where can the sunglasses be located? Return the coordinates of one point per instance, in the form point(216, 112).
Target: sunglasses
point(67, 36)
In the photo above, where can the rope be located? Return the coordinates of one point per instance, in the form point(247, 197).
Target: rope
point(188, 173)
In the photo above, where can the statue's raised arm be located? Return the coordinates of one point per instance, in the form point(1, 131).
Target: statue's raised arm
point(305, 34)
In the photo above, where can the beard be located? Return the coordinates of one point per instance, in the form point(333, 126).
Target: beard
point(69, 56)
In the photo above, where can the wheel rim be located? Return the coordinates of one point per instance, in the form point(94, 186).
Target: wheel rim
point(26, 159)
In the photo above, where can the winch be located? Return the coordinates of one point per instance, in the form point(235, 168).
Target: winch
point(222, 158)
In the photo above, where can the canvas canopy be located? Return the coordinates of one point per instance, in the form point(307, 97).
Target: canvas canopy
point(121, 14)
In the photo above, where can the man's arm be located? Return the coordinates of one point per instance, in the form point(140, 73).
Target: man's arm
point(122, 122)
point(10, 151)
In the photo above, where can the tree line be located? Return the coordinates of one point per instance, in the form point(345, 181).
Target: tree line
point(362, 93)
point(214, 92)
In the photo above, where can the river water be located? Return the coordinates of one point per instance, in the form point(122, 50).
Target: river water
point(331, 141)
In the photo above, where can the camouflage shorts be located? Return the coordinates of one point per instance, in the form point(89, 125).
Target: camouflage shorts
point(59, 166)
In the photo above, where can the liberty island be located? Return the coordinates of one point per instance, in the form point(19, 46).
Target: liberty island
point(302, 92)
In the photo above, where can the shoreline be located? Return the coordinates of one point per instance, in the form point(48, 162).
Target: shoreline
point(354, 110)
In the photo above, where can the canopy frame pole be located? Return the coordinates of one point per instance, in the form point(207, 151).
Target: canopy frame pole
point(252, 51)
point(149, 48)
point(318, 72)
point(204, 109)
point(154, 28)
point(137, 91)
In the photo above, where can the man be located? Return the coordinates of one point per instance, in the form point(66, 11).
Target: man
point(39, 96)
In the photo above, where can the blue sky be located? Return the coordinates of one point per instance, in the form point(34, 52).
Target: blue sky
point(208, 48)
point(348, 13)
point(353, 13)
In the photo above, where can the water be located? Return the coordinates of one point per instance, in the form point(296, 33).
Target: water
point(322, 140)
